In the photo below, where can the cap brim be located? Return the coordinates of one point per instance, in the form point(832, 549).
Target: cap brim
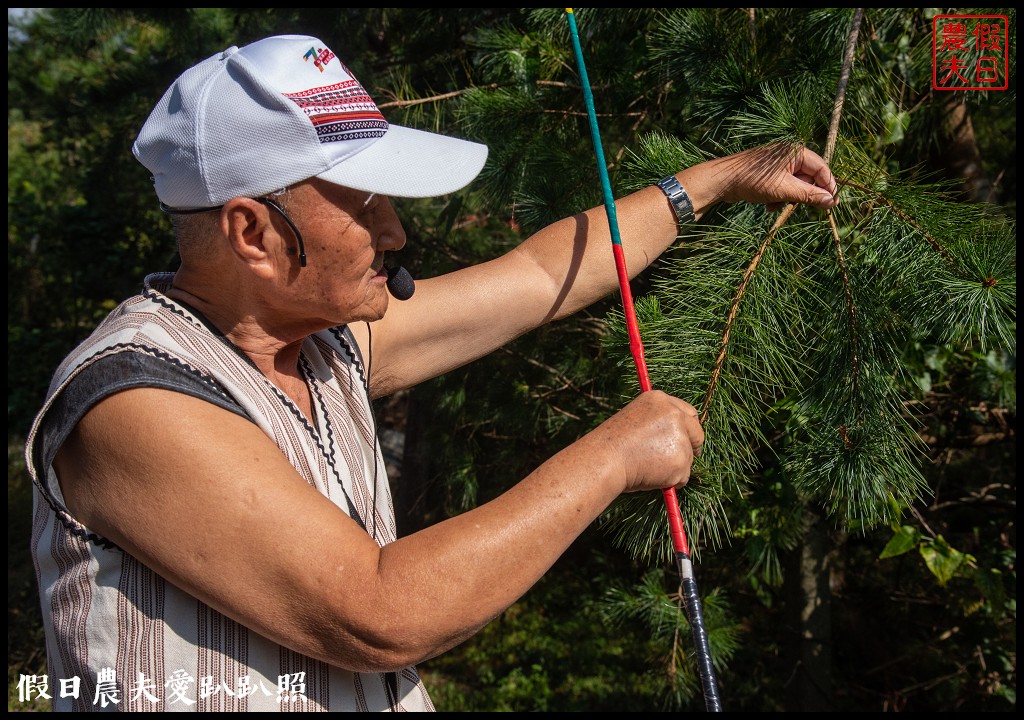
point(411, 164)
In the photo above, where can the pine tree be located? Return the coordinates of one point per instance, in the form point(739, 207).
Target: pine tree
point(792, 334)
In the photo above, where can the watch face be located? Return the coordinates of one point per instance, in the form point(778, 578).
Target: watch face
point(680, 200)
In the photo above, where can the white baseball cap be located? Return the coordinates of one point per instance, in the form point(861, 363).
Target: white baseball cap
point(252, 120)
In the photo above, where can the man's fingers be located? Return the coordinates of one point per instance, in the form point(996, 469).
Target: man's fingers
point(811, 168)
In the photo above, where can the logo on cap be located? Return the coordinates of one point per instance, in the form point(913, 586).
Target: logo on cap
point(320, 57)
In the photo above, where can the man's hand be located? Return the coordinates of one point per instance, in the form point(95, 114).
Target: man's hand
point(772, 175)
point(656, 437)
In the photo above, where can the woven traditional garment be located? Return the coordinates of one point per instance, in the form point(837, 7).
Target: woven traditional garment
point(137, 642)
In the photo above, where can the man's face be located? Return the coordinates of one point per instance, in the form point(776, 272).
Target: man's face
point(346, 234)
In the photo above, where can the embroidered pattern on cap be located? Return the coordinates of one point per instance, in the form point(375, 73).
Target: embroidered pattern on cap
point(343, 111)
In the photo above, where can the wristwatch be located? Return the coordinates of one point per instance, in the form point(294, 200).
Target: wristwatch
point(678, 198)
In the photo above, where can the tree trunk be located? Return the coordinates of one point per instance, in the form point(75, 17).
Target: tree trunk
point(809, 605)
point(407, 489)
point(961, 156)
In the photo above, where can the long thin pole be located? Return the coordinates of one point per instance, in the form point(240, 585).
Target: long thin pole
point(691, 600)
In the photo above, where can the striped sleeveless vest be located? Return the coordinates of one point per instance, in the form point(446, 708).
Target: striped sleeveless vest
point(136, 642)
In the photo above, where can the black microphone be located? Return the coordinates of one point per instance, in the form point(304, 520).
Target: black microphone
point(400, 283)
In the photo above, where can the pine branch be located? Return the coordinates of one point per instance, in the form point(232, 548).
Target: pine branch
point(396, 103)
point(844, 78)
point(906, 218)
point(734, 310)
point(852, 313)
point(433, 98)
point(830, 145)
point(567, 383)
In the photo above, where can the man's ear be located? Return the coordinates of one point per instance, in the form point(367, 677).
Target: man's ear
point(251, 235)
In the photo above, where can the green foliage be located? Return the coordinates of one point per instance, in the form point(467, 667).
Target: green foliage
point(802, 368)
point(880, 388)
point(26, 646)
point(662, 612)
point(543, 654)
point(943, 561)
